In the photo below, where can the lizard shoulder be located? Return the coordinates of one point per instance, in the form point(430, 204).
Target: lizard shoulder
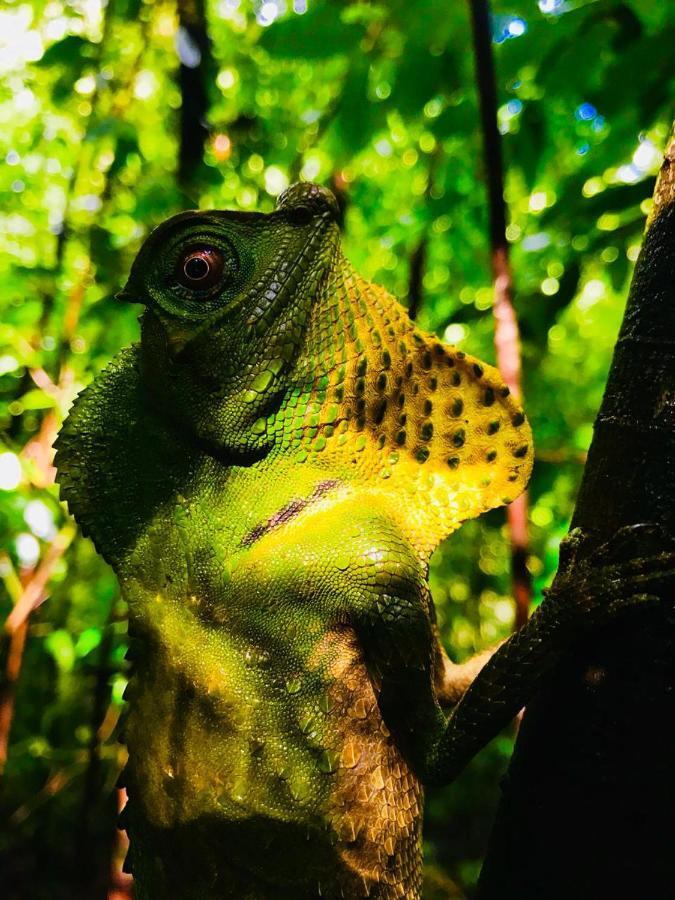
point(114, 458)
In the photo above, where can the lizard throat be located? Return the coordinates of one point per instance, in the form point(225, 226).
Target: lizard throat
point(375, 400)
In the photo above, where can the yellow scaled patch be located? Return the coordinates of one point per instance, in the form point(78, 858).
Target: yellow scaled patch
point(408, 416)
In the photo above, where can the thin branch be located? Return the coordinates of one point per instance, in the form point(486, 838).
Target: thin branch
point(56, 782)
point(8, 689)
point(507, 339)
point(418, 262)
point(92, 781)
point(418, 258)
point(34, 591)
point(121, 882)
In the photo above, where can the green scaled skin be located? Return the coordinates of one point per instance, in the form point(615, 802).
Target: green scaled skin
point(268, 472)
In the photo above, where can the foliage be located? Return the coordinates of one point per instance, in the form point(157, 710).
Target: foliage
point(377, 100)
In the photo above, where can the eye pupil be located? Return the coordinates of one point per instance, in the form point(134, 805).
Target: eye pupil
point(200, 268)
point(196, 268)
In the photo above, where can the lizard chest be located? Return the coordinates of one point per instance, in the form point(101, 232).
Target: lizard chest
point(265, 681)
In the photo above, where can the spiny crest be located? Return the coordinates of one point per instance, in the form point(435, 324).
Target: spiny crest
point(390, 407)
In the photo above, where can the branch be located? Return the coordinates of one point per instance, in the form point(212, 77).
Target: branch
point(507, 339)
point(121, 882)
point(35, 589)
point(195, 64)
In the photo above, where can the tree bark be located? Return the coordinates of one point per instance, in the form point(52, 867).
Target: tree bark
point(588, 806)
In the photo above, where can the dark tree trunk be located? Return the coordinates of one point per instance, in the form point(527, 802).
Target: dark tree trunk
point(588, 806)
point(194, 74)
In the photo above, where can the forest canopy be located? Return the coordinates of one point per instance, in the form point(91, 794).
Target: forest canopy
point(113, 117)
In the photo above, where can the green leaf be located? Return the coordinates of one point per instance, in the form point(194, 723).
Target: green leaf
point(318, 34)
point(60, 645)
point(71, 52)
point(37, 399)
point(356, 119)
point(87, 641)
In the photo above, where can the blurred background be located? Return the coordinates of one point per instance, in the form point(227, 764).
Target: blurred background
point(113, 117)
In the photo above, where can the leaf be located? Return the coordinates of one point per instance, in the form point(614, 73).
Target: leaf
point(69, 57)
point(37, 399)
point(60, 645)
point(318, 34)
point(71, 51)
point(89, 639)
point(356, 118)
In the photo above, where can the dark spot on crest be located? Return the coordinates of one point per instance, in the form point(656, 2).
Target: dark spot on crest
point(379, 411)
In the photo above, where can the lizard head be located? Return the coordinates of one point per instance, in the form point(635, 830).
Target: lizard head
point(227, 298)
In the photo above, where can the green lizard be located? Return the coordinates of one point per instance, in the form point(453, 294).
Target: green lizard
point(268, 472)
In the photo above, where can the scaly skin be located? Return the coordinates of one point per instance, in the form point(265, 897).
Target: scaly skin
point(268, 472)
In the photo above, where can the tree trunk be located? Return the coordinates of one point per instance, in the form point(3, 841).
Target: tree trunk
point(588, 806)
point(195, 71)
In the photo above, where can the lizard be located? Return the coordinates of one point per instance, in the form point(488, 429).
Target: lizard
point(268, 472)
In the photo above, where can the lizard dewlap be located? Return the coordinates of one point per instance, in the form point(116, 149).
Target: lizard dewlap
point(268, 472)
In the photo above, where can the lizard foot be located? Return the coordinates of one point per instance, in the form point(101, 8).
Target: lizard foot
point(634, 568)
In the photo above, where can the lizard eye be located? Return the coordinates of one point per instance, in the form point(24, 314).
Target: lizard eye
point(200, 268)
